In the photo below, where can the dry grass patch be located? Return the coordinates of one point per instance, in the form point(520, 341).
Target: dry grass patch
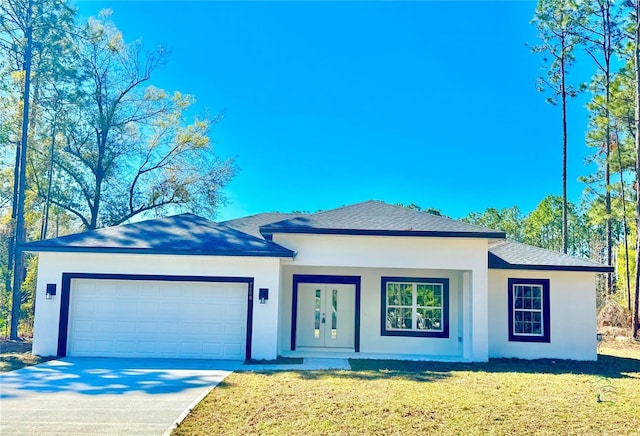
point(504, 396)
point(17, 354)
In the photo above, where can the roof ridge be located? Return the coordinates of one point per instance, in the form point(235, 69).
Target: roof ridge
point(344, 206)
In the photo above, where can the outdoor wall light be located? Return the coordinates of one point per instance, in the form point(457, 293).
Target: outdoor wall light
point(51, 291)
point(263, 295)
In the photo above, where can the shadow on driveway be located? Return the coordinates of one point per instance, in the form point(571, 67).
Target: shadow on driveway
point(104, 396)
point(98, 376)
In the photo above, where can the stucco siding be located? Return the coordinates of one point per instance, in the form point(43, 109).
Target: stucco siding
point(371, 340)
point(264, 271)
point(462, 260)
point(572, 316)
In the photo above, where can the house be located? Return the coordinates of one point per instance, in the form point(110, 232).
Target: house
point(366, 280)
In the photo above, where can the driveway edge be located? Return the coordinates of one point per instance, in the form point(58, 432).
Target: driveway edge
point(190, 407)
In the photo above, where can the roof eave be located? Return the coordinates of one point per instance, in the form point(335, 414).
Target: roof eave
point(574, 268)
point(268, 233)
point(497, 263)
point(120, 250)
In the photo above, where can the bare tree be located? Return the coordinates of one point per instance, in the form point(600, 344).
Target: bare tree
point(129, 148)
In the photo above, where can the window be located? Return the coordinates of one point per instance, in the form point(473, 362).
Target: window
point(529, 310)
point(415, 307)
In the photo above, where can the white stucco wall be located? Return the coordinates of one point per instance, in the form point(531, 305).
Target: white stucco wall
point(371, 340)
point(374, 256)
point(265, 271)
point(572, 311)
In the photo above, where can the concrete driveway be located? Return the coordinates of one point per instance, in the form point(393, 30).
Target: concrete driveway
point(104, 396)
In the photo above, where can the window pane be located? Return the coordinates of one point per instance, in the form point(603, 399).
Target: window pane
point(423, 321)
point(518, 291)
point(395, 318)
point(426, 295)
point(334, 314)
point(537, 303)
point(429, 319)
point(518, 303)
point(414, 306)
point(429, 295)
point(399, 318)
point(518, 326)
point(536, 292)
point(316, 330)
point(399, 294)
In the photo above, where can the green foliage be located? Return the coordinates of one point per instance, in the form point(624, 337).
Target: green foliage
point(508, 219)
point(145, 156)
point(413, 206)
point(104, 144)
point(557, 22)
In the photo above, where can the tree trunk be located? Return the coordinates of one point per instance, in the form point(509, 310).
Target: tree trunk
point(18, 266)
point(563, 90)
point(47, 204)
point(636, 57)
point(625, 227)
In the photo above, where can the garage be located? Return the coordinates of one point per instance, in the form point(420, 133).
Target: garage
point(157, 318)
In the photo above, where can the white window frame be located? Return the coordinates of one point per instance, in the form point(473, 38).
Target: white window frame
point(530, 310)
point(443, 322)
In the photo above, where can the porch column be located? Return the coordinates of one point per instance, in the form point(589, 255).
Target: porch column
point(479, 293)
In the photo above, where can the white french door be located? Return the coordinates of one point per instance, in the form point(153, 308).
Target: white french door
point(325, 315)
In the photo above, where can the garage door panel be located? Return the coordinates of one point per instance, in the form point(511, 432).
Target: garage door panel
point(102, 346)
point(123, 327)
point(233, 330)
point(123, 318)
point(233, 349)
point(123, 347)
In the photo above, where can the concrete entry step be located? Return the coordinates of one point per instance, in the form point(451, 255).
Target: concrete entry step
point(309, 364)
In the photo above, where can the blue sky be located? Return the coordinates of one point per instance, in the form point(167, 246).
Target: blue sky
point(333, 103)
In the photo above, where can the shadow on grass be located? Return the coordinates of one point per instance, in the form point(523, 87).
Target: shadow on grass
point(605, 366)
point(610, 367)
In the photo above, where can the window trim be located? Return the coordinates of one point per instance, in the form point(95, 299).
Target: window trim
point(414, 333)
point(546, 312)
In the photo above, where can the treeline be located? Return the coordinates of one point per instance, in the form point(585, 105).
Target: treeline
point(86, 139)
point(586, 238)
point(603, 36)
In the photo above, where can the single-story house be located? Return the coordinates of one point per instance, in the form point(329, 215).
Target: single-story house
point(366, 280)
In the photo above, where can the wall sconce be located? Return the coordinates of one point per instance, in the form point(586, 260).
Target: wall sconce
point(51, 291)
point(263, 295)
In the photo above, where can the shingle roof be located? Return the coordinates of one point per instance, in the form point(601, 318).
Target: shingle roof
point(378, 218)
point(251, 224)
point(184, 234)
point(514, 255)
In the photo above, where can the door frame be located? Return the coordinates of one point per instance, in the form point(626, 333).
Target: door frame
point(325, 279)
point(65, 298)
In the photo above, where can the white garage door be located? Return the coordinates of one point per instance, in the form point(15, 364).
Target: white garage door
point(138, 318)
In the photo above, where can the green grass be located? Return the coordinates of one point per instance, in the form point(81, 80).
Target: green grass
point(504, 396)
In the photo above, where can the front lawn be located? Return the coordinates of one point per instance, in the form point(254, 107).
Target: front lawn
point(503, 396)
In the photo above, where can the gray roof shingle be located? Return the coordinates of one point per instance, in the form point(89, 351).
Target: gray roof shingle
point(189, 234)
point(251, 224)
point(184, 234)
point(378, 218)
point(514, 255)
